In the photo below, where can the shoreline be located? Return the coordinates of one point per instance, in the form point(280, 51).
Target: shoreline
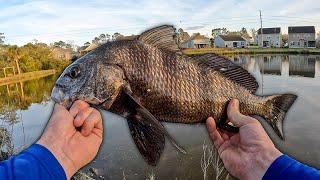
point(235, 51)
point(26, 76)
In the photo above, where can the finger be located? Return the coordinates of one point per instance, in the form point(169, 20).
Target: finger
point(225, 136)
point(213, 132)
point(94, 120)
point(81, 116)
point(223, 147)
point(77, 106)
point(235, 116)
point(58, 107)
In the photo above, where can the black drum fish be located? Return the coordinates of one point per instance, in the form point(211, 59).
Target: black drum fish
point(148, 79)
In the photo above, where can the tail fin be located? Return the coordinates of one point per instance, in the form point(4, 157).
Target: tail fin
point(279, 105)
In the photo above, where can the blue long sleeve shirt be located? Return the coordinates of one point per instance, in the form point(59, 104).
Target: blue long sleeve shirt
point(36, 162)
point(284, 167)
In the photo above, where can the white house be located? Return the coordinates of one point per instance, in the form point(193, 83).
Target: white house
point(271, 37)
point(230, 41)
point(196, 41)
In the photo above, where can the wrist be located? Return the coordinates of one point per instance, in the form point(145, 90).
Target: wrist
point(57, 150)
point(262, 162)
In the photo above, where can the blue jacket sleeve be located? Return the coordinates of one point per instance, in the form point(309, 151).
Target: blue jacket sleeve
point(36, 162)
point(284, 167)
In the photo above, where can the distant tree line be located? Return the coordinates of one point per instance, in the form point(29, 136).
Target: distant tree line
point(1, 38)
point(30, 57)
point(104, 38)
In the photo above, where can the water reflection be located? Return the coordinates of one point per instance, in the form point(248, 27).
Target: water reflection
point(17, 97)
point(283, 65)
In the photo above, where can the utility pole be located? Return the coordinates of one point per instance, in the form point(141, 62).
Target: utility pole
point(261, 32)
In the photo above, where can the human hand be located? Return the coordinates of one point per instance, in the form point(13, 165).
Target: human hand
point(247, 154)
point(72, 148)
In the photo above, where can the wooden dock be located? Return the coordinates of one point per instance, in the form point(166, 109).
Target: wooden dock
point(26, 77)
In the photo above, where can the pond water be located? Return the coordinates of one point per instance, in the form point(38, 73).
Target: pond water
point(25, 108)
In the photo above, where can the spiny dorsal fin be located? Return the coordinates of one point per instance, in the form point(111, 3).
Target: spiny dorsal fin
point(228, 69)
point(163, 37)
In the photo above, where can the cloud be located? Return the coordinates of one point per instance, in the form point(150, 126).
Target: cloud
point(194, 27)
point(50, 21)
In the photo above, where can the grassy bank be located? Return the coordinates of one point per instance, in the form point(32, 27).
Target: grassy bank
point(231, 51)
point(26, 76)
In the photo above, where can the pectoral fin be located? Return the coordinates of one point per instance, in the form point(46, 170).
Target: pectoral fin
point(148, 138)
point(147, 132)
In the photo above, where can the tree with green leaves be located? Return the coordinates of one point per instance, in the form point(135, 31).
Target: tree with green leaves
point(14, 53)
point(284, 38)
point(116, 36)
point(86, 44)
point(219, 31)
point(2, 37)
point(102, 39)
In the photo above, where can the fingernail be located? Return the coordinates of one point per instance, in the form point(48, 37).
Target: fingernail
point(77, 118)
point(236, 102)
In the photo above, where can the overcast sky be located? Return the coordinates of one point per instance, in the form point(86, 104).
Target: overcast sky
point(53, 20)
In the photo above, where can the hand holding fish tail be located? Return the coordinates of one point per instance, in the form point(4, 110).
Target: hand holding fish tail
point(247, 154)
point(72, 148)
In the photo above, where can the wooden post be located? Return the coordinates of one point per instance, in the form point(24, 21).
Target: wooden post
point(17, 64)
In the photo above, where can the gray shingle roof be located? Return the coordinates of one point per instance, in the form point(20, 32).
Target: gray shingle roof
point(275, 30)
point(301, 29)
point(232, 38)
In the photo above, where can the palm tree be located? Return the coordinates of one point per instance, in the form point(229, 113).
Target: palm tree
point(14, 53)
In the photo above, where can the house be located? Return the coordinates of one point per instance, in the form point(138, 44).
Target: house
point(230, 41)
point(91, 47)
point(183, 36)
point(196, 41)
point(62, 53)
point(271, 37)
point(302, 37)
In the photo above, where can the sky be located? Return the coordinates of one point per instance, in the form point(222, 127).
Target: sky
point(80, 21)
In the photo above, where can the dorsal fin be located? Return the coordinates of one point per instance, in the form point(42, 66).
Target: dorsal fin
point(163, 37)
point(228, 69)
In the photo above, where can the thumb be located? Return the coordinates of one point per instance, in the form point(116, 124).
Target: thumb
point(235, 116)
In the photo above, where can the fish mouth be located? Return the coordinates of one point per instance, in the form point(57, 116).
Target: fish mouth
point(58, 96)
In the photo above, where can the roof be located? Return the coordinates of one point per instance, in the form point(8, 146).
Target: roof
point(184, 36)
point(275, 30)
point(91, 47)
point(232, 38)
point(301, 29)
point(61, 50)
point(132, 37)
point(198, 37)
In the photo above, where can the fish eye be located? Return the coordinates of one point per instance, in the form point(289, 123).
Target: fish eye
point(74, 72)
